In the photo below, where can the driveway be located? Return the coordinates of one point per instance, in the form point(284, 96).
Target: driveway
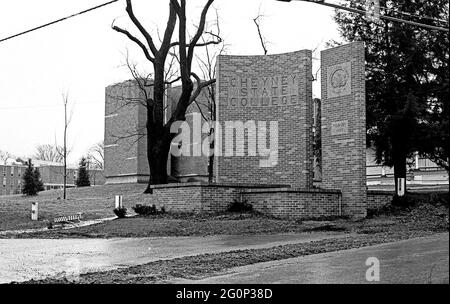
point(419, 260)
point(25, 259)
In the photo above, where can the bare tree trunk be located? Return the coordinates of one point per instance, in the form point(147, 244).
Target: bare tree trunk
point(65, 148)
point(157, 154)
point(159, 137)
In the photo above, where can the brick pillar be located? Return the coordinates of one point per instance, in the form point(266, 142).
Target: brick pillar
point(344, 125)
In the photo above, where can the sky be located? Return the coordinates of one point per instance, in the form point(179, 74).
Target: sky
point(82, 55)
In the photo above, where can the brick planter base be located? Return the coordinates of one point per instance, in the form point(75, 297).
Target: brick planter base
point(275, 200)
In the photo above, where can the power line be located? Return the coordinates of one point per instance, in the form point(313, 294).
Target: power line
point(386, 17)
point(58, 20)
point(42, 106)
point(414, 15)
point(411, 15)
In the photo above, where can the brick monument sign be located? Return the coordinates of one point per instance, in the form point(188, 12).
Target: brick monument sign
point(274, 92)
point(263, 138)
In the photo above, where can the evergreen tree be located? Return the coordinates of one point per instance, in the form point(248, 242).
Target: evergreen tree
point(37, 180)
point(29, 181)
point(407, 80)
point(83, 174)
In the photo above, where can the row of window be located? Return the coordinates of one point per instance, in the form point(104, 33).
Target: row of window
point(19, 171)
point(10, 192)
point(19, 182)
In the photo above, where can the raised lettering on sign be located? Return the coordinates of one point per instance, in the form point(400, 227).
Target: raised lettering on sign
point(339, 127)
point(276, 90)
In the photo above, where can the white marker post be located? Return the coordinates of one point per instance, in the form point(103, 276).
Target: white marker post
point(119, 203)
point(401, 185)
point(34, 211)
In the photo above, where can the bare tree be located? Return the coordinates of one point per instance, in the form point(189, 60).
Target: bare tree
point(95, 156)
point(159, 137)
point(47, 152)
point(4, 156)
point(67, 119)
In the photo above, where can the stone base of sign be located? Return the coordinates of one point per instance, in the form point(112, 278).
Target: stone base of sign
point(280, 201)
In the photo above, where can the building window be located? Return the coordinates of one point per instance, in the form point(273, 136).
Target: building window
point(4, 171)
point(4, 182)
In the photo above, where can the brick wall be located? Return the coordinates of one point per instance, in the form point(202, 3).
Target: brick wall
point(378, 199)
point(195, 196)
point(277, 200)
point(344, 125)
point(176, 198)
point(267, 88)
point(295, 203)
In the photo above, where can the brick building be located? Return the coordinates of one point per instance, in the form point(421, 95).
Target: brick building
point(51, 175)
point(11, 179)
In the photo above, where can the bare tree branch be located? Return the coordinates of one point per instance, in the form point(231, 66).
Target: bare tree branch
point(201, 28)
point(261, 38)
point(135, 40)
point(143, 31)
point(4, 156)
point(96, 155)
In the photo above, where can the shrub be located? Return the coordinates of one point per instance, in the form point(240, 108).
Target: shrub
point(411, 202)
point(403, 201)
point(120, 212)
point(146, 210)
point(240, 206)
point(163, 210)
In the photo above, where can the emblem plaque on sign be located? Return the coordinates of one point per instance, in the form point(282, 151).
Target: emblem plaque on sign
point(339, 80)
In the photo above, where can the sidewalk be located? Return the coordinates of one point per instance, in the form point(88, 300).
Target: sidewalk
point(65, 227)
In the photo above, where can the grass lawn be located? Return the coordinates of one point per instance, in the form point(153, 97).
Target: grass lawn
point(94, 202)
point(98, 201)
point(422, 217)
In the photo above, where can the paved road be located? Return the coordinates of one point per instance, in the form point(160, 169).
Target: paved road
point(420, 260)
point(25, 259)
